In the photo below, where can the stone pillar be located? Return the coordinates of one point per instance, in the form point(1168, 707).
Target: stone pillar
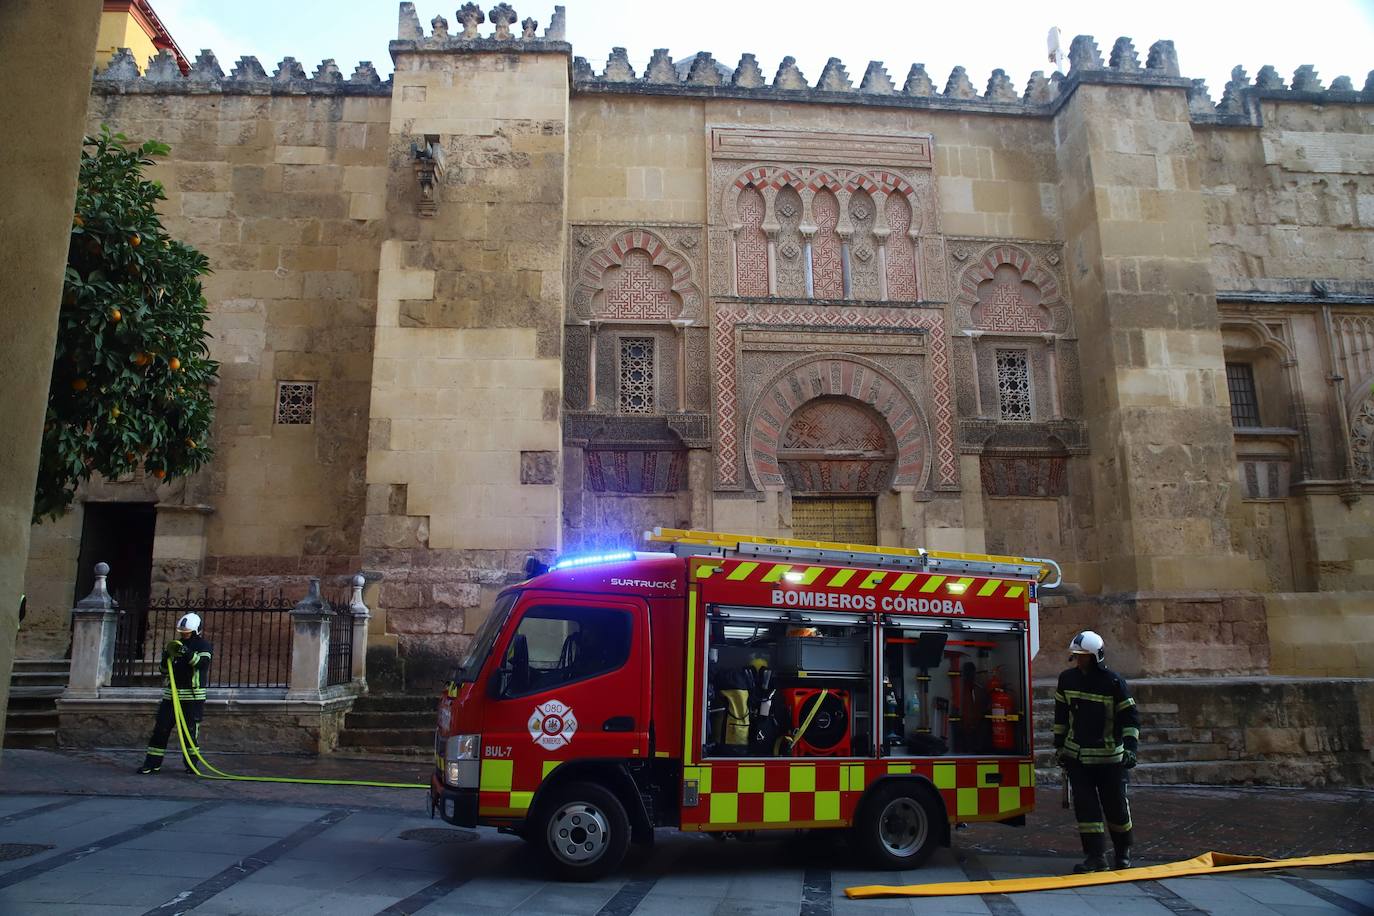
point(95, 621)
point(309, 645)
point(47, 54)
point(1158, 416)
point(361, 618)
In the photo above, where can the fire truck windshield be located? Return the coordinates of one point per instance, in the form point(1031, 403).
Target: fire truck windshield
point(471, 665)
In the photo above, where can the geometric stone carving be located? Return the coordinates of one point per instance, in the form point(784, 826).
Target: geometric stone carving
point(751, 245)
point(1269, 79)
point(836, 445)
point(661, 69)
point(1163, 58)
point(1000, 88)
point(1124, 57)
point(1083, 54)
point(635, 275)
point(618, 69)
point(782, 419)
point(1027, 477)
point(945, 472)
point(1006, 289)
point(248, 70)
point(122, 67)
point(1305, 79)
point(206, 69)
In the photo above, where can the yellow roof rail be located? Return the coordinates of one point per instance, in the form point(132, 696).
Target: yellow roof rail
point(687, 542)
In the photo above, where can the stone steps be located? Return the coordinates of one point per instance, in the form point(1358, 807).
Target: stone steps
point(400, 723)
point(387, 739)
point(31, 719)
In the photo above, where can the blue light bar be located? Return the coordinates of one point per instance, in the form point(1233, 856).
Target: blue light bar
point(594, 559)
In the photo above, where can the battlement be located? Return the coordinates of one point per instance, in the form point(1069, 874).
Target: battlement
point(246, 78)
point(703, 76)
point(1042, 95)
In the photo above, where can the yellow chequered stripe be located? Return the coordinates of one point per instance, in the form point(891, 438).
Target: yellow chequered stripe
point(867, 579)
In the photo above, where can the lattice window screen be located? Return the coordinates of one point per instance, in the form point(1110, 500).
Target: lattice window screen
point(1013, 384)
point(295, 403)
point(636, 392)
point(1240, 382)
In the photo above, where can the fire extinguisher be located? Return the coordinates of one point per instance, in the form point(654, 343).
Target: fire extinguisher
point(999, 709)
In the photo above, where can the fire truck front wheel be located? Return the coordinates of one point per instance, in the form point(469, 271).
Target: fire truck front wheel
point(899, 827)
point(583, 830)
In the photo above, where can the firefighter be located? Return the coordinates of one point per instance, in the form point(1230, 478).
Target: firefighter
point(189, 654)
point(1096, 734)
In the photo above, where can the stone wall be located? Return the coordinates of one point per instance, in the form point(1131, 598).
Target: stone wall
point(1321, 634)
point(234, 721)
point(281, 183)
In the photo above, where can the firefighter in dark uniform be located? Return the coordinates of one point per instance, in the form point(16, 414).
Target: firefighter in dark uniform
point(190, 656)
point(1096, 734)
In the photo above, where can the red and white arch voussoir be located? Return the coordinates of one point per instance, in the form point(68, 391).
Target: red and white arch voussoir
point(836, 375)
point(613, 255)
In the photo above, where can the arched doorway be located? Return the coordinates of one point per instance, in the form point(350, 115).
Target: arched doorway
point(836, 455)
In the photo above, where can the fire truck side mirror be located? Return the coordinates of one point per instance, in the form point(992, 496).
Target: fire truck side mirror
point(499, 682)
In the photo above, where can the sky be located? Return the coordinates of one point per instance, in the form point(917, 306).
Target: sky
point(1211, 36)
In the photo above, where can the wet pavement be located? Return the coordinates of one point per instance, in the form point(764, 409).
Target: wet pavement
point(80, 832)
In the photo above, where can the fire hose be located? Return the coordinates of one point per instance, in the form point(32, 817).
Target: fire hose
point(191, 753)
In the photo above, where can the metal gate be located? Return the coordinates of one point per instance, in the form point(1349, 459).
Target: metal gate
point(847, 520)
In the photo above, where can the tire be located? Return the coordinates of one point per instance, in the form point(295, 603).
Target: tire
point(582, 831)
point(900, 825)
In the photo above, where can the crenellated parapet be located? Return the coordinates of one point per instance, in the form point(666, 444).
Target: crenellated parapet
point(1042, 94)
point(246, 77)
point(1240, 99)
point(504, 31)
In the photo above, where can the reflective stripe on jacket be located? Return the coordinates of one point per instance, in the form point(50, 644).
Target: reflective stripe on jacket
point(1095, 718)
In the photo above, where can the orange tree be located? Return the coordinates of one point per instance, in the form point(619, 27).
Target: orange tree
point(131, 376)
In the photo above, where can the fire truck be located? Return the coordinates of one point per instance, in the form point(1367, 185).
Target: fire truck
point(732, 684)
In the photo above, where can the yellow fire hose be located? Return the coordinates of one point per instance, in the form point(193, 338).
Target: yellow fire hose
point(189, 750)
point(1209, 863)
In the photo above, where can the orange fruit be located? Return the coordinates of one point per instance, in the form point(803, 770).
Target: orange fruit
point(129, 456)
point(114, 413)
point(116, 314)
point(78, 221)
point(79, 384)
point(159, 473)
point(190, 443)
point(134, 240)
point(174, 364)
point(142, 359)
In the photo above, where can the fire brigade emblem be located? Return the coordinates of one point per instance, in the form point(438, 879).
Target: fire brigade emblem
point(552, 725)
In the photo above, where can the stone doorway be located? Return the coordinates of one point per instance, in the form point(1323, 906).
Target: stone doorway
point(836, 454)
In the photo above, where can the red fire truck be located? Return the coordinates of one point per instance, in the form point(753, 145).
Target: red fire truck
point(729, 684)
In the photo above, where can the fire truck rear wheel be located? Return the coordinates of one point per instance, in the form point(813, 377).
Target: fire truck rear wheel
point(583, 830)
point(899, 825)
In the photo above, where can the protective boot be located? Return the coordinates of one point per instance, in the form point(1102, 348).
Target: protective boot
point(1122, 852)
point(1095, 851)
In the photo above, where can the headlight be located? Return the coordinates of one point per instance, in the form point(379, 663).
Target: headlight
point(463, 747)
point(461, 764)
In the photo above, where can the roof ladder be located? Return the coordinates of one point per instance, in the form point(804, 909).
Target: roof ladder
point(714, 543)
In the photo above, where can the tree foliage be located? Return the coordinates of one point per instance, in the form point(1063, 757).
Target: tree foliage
point(131, 375)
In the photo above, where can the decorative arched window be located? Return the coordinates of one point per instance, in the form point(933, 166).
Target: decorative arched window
point(639, 289)
point(751, 245)
point(827, 269)
point(901, 251)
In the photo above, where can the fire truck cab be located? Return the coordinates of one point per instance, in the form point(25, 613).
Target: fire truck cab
point(728, 684)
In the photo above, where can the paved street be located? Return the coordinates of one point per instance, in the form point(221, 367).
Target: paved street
point(80, 834)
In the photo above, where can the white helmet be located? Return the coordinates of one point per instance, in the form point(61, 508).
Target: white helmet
point(1088, 643)
point(189, 622)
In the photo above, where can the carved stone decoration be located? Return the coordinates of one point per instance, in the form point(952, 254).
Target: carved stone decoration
point(918, 82)
point(826, 270)
point(503, 17)
point(778, 424)
point(863, 263)
point(836, 445)
point(528, 27)
point(618, 69)
point(1362, 438)
point(747, 74)
point(428, 160)
point(1025, 476)
point(751, 245)
point(730, 431)
point(788, 76)
point(876, 81)
point(661, 69)
point(633, 273)
point(901, 251)
point(470, 16)
point(1010, 287)
point(122, 67)
point(163, 68)
point(440, 26)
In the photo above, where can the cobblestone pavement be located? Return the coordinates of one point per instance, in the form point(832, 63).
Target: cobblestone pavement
point(79, 833)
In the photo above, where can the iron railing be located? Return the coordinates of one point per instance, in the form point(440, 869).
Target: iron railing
point(250, 632)
point(340, 664)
